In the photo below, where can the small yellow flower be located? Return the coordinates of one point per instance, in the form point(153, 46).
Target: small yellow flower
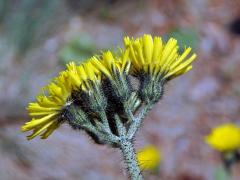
point(149, 158)
point(224, 138)
point(46, 110)
point(82, 74)
point(109, 63)
point(152, 56)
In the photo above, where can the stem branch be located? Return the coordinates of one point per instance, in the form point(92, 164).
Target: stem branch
point(136, 122)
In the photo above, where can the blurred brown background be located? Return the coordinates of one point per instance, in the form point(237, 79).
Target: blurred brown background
point(37, 38)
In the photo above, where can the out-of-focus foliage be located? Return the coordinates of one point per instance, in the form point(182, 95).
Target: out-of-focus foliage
point(221, 174)
point(77, 49)
point(24, 22)
point(186, 37)
point(84, 6)
point(4, 6)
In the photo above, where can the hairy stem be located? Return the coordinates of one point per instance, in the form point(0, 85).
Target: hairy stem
point(130, 159)
point(137, 121)
point(104, 119)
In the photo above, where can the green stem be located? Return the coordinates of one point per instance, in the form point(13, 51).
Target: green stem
point(130, 159)
point(104, 119)
point(136, 122)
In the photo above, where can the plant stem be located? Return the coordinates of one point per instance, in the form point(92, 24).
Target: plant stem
point(130, 159)
point(136, 122)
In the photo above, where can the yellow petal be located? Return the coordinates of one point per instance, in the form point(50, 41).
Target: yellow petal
point(39, 113)
point(184, 64)
point(139, 51)
point(157, 49)
point(82, 73)
point(35, 107)
point(101, 67)
point(125, 59)
point(171, 44)
point(108, 59)
point(181, 58)
point(36, 122)
point(75, 79)
point(148, 48)
point(171, 58)
point(37, 131)
point(170, 76)
point(50, 130)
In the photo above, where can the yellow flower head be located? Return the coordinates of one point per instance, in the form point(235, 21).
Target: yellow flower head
point(82, 74)
point(148, 158)
point(225, 137)
point(46, 110)
point(108, 64)
point(152, 56)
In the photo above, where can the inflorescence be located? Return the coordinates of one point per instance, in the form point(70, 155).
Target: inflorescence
point(102, 85)
point(109, 95)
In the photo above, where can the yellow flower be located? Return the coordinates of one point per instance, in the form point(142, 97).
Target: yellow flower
point(152, 56)
point(82, 74)
point(108, 64)
point(225, 137)
point(46, 110)
point(149, 158)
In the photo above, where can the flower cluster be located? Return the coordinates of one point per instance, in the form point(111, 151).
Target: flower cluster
point(101, 89)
